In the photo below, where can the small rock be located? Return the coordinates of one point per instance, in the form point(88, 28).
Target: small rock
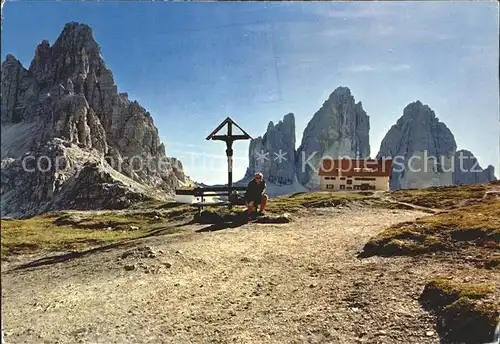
point(167, 265)
point(130, 267)
point(382, 332)
point(134, 228)
point(429, 333)
point(312, 285)
point(156, 217)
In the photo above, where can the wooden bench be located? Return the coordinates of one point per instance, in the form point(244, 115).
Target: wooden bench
point(217, 191)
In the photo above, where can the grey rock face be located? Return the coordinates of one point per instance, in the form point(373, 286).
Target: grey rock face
point(61, 175)
point(339, 129)
point(468, 171)
point(69, 94)
point(422, 148)
point(278, 166)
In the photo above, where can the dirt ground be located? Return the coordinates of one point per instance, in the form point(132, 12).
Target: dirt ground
point(299, 282)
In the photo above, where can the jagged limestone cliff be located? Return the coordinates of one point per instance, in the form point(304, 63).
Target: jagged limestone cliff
point(65, 115)
point(422, 148)
point(339, 129)
point(274, 153)
point(467, 170)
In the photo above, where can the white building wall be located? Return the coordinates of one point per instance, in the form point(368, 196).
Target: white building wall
point(334, 183)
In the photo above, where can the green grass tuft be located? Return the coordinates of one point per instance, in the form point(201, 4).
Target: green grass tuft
point(463, 312)
point(476, 225)
point(444, 197)
point(62, 231)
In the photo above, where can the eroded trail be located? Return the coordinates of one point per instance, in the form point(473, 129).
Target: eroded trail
point(290, 283)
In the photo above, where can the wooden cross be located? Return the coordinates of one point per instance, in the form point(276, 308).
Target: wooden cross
point(229, 139)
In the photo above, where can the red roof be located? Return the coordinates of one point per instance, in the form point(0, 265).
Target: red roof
point(353, 167)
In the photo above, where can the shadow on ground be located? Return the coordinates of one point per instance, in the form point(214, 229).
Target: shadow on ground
point(220, 226)
point(221, 220)
point(80, 254)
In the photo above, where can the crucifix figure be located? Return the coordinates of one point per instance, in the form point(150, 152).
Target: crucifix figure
point(229, 138)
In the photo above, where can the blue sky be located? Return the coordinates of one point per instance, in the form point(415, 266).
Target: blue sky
point(193, 64)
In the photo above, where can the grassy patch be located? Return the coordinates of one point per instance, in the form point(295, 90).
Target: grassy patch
point(477, 225)
point(462, 310)
point(441, 197)
point(61, 231)
point(319, 199)
point(441, 292)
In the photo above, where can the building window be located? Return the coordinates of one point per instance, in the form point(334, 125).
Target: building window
point(342, 187)
point(349, 181)
point(356, 187)
point(334, 178)
point(342, 178)
point(349, 188)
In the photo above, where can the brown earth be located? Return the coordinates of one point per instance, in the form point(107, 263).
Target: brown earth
point(297, 282)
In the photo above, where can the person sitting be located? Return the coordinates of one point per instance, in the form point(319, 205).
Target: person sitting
point(255, 195)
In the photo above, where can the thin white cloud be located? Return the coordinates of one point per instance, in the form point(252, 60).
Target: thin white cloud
point(338, 33)
point(390, 21)
point(259, 27)
point(400, 67)
point(357, 11)
point(360, 68)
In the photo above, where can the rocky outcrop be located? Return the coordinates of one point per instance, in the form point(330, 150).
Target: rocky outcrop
point(422, 149)
point(67, 100)
point(274, 153)
point(466, 170)
point(339, 129)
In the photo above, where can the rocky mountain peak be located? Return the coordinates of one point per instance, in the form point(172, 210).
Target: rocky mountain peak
point(418, 111)
point(278, 166)
point(339, 92)
point(10, 58)
point(68, 98)
point(270, 126)
point(340, 128)
point(418, 132)
point(289, 119)
point(77, 36)
point(466, 169)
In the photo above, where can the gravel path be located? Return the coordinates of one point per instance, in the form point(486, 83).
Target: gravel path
point(289, 283)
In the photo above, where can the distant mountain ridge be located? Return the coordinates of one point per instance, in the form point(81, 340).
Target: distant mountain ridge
point(340, 129)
